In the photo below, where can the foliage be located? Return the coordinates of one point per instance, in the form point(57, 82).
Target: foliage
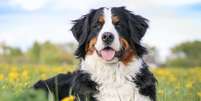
point(34, 52)
point(186, 54)
point(178, 84)
point(174, 84)
point(39, 53)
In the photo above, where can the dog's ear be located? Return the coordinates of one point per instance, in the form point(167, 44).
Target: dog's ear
point(137, 25)
point(137, 29)
point(81, 30)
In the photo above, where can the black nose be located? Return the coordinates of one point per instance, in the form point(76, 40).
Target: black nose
point(107, 38)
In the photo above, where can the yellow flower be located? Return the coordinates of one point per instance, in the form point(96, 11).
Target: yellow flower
point(172, 78)
point(25, 74)
point(43, 76)
point(189, 85)
point(199, 94)
point(161, 92)
point(1, 76)
point(70, 98)
point(13, 75)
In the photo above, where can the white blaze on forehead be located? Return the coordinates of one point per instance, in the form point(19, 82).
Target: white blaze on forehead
point(108, 27)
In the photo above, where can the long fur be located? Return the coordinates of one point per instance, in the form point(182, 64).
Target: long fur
point(97, 80)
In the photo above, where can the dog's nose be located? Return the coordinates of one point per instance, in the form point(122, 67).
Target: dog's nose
point(107, 38)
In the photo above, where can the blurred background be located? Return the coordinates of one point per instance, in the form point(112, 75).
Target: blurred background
point(36, 42)
point(38, 31)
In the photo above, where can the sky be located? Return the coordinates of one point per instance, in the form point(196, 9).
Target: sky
point(171, 22)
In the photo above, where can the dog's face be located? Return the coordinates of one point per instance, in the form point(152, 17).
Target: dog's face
point(111, 34)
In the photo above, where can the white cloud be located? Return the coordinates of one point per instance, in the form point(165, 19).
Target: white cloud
point(29, 5)
point(29, 28)
point(167, 28)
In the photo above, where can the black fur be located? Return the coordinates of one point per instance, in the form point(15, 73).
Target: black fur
point(132, 27)
point(84, 29)
point(145, 81)
point(78, 84)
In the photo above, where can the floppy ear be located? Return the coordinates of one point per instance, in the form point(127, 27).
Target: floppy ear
point(137, 25)
point(81, 30)
point(137, 29)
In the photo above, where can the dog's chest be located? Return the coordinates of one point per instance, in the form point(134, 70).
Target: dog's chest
point(115, 81)
point(114, 86)
point(116, 91)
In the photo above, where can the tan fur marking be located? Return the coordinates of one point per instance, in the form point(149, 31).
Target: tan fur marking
point(128, 53)
point(90, 46)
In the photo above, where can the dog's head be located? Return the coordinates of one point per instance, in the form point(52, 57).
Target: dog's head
point(111, 34)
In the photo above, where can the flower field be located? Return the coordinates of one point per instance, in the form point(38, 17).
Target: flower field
point(174, 84)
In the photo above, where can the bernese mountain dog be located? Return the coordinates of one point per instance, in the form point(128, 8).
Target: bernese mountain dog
point(111, 60)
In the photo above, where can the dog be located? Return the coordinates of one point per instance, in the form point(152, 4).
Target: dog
point(111, 60)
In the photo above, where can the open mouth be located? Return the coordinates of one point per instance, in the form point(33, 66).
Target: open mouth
point(107, 53)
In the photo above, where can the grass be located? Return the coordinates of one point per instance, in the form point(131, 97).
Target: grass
point(178, 84)
point(174, 84)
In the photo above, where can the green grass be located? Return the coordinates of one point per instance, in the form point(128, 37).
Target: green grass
point(178, 84)
point(174, 84)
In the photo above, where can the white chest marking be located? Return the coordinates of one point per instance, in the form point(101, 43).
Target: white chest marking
point(115, 80)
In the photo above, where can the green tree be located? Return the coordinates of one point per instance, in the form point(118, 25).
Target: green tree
point(15, 52)
point(187, 54)
point(49, 53)
point(34, 52)
point(12, 55)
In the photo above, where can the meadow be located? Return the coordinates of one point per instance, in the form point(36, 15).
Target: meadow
point(174, 84)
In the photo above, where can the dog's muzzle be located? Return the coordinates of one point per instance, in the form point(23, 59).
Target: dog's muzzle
point(109, 53)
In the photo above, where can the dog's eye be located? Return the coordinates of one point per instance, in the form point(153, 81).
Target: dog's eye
point(98, 25)
point(117, 24)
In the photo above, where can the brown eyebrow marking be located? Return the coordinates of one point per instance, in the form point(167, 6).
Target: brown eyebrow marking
point(101, 19)
point(115, 19)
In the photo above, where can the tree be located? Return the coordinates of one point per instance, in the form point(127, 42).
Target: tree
point(35, 52)
point(187, 54)
point(10, 54)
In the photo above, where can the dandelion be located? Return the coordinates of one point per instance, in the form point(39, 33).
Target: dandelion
point(199, 94)
point(13, 75)
point(25, 74)
point(1, 77)
point(161, 92)
point(172, 78)
point(70, 98)
point(189, 85)
point(43, 76)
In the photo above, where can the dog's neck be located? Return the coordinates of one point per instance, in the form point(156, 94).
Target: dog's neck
point(101, 71)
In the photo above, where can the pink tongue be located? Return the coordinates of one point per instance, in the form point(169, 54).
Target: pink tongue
point(107, 54)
